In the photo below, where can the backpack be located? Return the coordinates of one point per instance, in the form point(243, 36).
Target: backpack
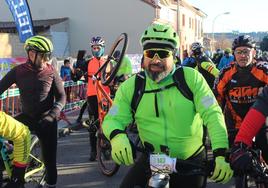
point(139, 90)
point(179, 82)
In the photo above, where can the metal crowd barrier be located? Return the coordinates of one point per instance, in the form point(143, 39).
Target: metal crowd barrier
point(75, 92)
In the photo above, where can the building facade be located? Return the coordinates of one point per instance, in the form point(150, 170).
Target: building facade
point(187, 19)
point(71, 24)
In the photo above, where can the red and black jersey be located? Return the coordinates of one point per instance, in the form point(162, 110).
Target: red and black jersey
point(236, 89)
point(254, 119)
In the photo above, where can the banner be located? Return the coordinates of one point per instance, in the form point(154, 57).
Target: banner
point(22, 17)
point(6, 64)
point(136, 62)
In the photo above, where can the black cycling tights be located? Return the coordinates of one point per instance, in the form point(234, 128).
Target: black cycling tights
point(48, 141)
point(140, 173)
point(92, 102)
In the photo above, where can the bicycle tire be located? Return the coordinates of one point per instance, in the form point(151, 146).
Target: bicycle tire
point(37, 179)
point(106, 80)
point(107, 166)
point(247, 181)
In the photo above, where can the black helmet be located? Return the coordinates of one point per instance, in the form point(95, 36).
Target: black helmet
point(244, 40)
point(196, 48)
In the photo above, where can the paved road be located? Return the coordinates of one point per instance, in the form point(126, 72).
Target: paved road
point(75, 170)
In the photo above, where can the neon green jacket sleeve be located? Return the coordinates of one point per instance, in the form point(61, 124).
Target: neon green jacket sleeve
point(125, 67)
point(208, 108)
point(210, 67)
point(19, 134)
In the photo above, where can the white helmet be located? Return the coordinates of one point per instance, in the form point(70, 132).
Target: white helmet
point(98, 41)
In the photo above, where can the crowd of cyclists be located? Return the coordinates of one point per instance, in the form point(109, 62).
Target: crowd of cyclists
point(228, 98)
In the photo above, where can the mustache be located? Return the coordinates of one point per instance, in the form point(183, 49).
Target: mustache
point(157, 65)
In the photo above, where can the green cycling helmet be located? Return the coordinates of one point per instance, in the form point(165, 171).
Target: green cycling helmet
point(160, 33)
point(38, 43)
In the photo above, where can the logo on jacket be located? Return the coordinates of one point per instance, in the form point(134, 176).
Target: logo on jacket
point(246, 94)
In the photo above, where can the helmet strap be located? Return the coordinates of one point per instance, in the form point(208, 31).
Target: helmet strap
point(33, 63)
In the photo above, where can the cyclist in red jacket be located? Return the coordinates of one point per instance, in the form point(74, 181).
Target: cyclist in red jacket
point(251, 125)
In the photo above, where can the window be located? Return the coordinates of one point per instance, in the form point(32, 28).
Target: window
point(199, 29)
point(190, 21)
point(183, 20)
point(195, 27)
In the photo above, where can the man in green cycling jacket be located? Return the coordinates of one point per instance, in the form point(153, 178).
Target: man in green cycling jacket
point(167, 122)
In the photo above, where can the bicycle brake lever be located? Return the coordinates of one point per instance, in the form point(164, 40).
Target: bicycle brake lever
point(94, 77)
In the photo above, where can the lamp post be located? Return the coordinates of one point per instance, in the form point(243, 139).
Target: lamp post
point(178, 23)
point(213, 24)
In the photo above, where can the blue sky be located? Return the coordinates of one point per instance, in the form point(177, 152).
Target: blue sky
point(245, 15)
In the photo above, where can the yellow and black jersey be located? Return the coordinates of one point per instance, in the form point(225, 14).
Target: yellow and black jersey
point(236, 89)
point(19, 134)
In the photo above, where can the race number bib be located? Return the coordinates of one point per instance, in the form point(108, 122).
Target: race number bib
point(163, 163)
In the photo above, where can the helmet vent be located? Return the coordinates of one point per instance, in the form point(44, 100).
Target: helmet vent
point(164, 31)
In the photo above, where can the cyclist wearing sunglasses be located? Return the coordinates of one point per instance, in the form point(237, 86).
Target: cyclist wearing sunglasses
point(167, 122)
point(238, 86)
point(42, 98)
point(19, 134)
point(203, 63)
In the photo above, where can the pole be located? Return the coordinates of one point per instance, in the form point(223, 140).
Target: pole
point(178, 23)
point(213, 24)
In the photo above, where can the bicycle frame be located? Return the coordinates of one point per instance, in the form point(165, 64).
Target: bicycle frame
point(33, 171)
point(103, 99)
point(259, 171)
point(7, 156)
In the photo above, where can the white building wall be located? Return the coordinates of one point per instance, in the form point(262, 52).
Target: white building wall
point(88, 18)
point(190, 33)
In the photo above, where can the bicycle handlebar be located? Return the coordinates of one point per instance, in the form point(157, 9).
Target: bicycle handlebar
point(259, 169)
point(186, 167)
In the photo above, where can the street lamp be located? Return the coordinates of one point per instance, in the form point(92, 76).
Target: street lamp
point(213, 23)
point(178, 23)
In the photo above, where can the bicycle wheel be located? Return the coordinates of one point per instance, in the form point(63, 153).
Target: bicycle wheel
point(247, 181)
point(107, 165)
point(114, 60)
point(35, 172)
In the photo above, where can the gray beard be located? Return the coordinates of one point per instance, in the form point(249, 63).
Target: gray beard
point(157, 76)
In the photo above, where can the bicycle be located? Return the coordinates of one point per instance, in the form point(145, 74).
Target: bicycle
point(35, 172)
point(257, 175)
point(161, 166)
point(103, 77)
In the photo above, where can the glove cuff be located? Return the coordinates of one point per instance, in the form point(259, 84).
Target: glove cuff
point(219, 152)
point(116, 132)
point(242, 145)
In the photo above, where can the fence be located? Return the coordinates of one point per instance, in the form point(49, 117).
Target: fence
point(75, 92)
point(10, 99)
